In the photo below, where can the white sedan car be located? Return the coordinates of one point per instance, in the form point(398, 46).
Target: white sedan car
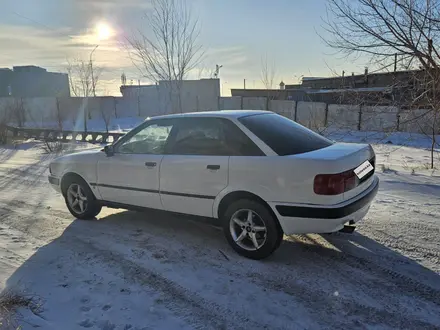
point(261, 174)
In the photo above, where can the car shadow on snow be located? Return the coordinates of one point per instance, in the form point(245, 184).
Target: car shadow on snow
point(93, 254)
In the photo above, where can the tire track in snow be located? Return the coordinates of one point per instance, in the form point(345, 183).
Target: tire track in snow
point(405, 244)
point(19, 177)
point(190, 306)
point(404, 283)
point(311, 298)
point(340, 314)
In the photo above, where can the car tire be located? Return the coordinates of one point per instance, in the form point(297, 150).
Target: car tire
point(280, 240)
point(251, 229)
point(80, 200)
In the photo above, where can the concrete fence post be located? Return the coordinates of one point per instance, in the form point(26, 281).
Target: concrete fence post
point(241, 103)
point(326, 115)
point(292, 110)
point(296, 110)
point(398, 120)
point(360, 117)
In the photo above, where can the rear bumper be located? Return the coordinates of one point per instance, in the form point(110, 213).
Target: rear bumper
point(302, 219)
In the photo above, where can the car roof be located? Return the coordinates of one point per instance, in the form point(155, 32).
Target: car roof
point(216, 114)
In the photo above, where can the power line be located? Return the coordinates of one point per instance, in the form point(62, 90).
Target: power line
point(34, 21)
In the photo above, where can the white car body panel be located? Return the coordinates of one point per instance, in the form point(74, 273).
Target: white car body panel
point(297, 225)
point(293, 225)
point(189, 175)
point(81, 163)
point(277, 179)
point(126, 179)
point(184, 184)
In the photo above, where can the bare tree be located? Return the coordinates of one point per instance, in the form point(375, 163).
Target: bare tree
point(14, 111)
point(5, 117)
point(171, 50)
point(60, 115)
point(205, 73)
point(84, 79)
point(268, 73)
point(17, 111)
point(106, 114)
point(392, 33)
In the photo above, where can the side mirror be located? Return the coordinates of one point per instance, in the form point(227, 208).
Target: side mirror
point(109, 151)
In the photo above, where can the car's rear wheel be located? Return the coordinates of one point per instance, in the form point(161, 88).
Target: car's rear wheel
point(80, 200)
point(251, 229)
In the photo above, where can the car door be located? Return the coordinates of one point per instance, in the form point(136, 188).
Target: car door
point(131, 175)
point(195, 170)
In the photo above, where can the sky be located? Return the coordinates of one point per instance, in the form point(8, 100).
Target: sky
point(237, 34)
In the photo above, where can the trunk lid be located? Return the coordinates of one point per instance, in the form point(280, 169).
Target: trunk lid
point(342, 157)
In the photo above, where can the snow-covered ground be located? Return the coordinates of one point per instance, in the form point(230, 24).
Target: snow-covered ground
point(397, 150)
point(159, 271)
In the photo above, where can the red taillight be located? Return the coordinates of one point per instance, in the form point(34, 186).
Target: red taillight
point(334, 184)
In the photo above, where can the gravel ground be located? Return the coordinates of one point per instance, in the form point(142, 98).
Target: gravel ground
point(159, 271)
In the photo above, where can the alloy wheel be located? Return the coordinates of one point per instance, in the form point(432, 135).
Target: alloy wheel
point(248, 230)
point(77, 198)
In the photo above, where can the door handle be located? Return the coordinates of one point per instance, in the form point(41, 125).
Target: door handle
point(213, 167)
point(150, 164)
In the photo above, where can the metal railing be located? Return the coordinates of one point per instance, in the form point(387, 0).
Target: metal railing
point(48, 134)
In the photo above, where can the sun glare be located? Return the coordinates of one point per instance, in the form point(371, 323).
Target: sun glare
point(104, 31)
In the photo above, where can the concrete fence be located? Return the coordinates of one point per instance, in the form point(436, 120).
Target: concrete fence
point(99, 113)
point(318, 116)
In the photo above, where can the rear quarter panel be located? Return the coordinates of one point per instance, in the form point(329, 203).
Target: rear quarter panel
point(277, 179)
point(343, 157)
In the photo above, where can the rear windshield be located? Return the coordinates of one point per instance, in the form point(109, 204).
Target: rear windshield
point(283, 135)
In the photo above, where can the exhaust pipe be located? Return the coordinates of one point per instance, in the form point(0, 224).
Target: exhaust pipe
point(348, 229)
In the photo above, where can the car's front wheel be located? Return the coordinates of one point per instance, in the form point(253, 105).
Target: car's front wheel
point(251, 229)
point(80, 200)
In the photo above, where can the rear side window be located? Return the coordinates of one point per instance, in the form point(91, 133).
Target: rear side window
point(211, 136)
point(283, 135)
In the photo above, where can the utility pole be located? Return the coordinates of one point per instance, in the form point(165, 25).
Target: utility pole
point(395, 62)
point(86, 109)
point(139, 99)
point(91, 70)
point(244, 83)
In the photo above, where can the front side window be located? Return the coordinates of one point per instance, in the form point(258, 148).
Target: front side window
point(284, 136)
point(150, 139)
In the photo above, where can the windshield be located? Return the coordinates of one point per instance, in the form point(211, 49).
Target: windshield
point(283, 135)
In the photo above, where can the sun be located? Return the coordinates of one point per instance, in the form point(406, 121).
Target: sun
point(104, 31)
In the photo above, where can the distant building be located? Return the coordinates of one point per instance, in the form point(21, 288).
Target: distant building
point(369, 88)
point(272, 94)
point(188, 87)
point(365, 80)
point(171, 96)
point(137, 90)
point(33, 81)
